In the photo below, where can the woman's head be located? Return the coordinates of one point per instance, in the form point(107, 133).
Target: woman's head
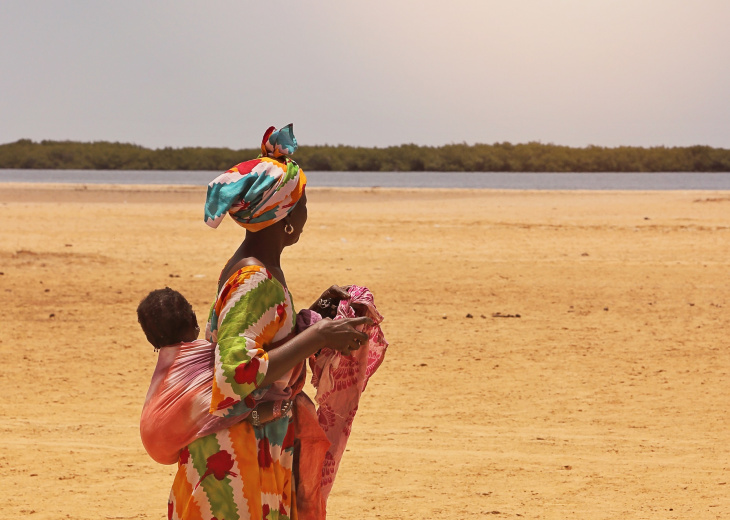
point(167, 318)
point(258, 193)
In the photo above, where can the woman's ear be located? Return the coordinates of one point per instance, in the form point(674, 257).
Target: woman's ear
point(288, 227)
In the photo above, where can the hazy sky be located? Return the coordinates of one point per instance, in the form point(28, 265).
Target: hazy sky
point(374, 73)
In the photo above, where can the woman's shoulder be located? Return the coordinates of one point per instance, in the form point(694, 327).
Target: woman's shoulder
point(247, 275)
point(251, 277)
point(248, 297)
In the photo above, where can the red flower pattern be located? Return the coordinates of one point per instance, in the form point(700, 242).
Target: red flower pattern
point(288, 441)
point(326, 416)
point(184, 455)
point(246, 372)
point(240, 206)
point(328, 469)
point(246, 166)
point(264, 453)
point(347, 430)
point(225, 403)
point(345, 375)
point(219, 465)
point(249, 401)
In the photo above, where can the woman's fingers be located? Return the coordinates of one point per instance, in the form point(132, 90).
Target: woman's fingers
point(360, 320)
point(353, 346)
point(343, 335)
point(359, 340)
point(360, 337)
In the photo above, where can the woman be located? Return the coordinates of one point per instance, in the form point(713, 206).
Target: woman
point(245, 471)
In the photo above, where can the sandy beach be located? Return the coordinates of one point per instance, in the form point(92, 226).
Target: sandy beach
point(553, 354)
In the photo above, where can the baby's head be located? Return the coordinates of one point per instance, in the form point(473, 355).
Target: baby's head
point(167, 318)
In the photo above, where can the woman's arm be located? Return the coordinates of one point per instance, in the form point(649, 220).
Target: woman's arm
point(341, 335)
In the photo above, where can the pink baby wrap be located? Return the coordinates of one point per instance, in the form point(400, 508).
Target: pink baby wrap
point(176, 409)
point(340, 380)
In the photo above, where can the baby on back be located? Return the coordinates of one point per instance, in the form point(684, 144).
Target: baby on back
point(176, 409)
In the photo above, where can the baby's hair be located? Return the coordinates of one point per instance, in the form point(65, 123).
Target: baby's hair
point(164, 315)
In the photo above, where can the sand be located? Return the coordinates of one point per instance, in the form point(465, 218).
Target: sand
point(603, 396)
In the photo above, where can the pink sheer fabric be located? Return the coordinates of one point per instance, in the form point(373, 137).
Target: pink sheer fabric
point(175, 411)
point(340, 380)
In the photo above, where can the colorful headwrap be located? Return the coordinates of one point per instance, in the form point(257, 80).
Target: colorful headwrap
point(262, 191)
point(277, 143)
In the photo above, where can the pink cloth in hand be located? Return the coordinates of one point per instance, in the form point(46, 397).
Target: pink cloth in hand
point(340, 380)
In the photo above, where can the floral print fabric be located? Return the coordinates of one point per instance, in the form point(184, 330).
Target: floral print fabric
point(241, 472)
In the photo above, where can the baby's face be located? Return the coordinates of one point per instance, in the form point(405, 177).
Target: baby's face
point(191, 334)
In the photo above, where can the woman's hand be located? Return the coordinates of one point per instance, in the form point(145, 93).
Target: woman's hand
point(342, 335)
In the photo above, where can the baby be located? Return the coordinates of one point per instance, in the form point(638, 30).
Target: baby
point(176, 409)
point(167, 318)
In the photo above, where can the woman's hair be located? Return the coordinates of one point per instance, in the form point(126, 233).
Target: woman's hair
point(165, 315)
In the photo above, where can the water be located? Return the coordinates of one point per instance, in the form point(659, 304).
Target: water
point(484, 180)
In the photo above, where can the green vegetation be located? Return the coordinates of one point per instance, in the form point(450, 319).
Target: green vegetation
point(498, 157)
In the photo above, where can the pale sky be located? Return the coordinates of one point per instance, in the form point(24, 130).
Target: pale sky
point(374, 73)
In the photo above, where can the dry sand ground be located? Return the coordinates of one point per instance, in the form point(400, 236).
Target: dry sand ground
point(606, 398)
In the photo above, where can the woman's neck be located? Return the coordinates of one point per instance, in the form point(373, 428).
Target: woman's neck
point(261, 247)
point(257, 248)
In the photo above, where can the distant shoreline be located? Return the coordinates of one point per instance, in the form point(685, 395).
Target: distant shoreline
point(498, 157)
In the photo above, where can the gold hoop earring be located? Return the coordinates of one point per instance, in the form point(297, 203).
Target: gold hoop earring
point(289, 229)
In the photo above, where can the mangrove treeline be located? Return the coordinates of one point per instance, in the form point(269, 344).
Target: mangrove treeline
point(498, 157)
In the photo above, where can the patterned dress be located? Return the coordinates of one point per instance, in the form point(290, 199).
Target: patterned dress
point(242, 472)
